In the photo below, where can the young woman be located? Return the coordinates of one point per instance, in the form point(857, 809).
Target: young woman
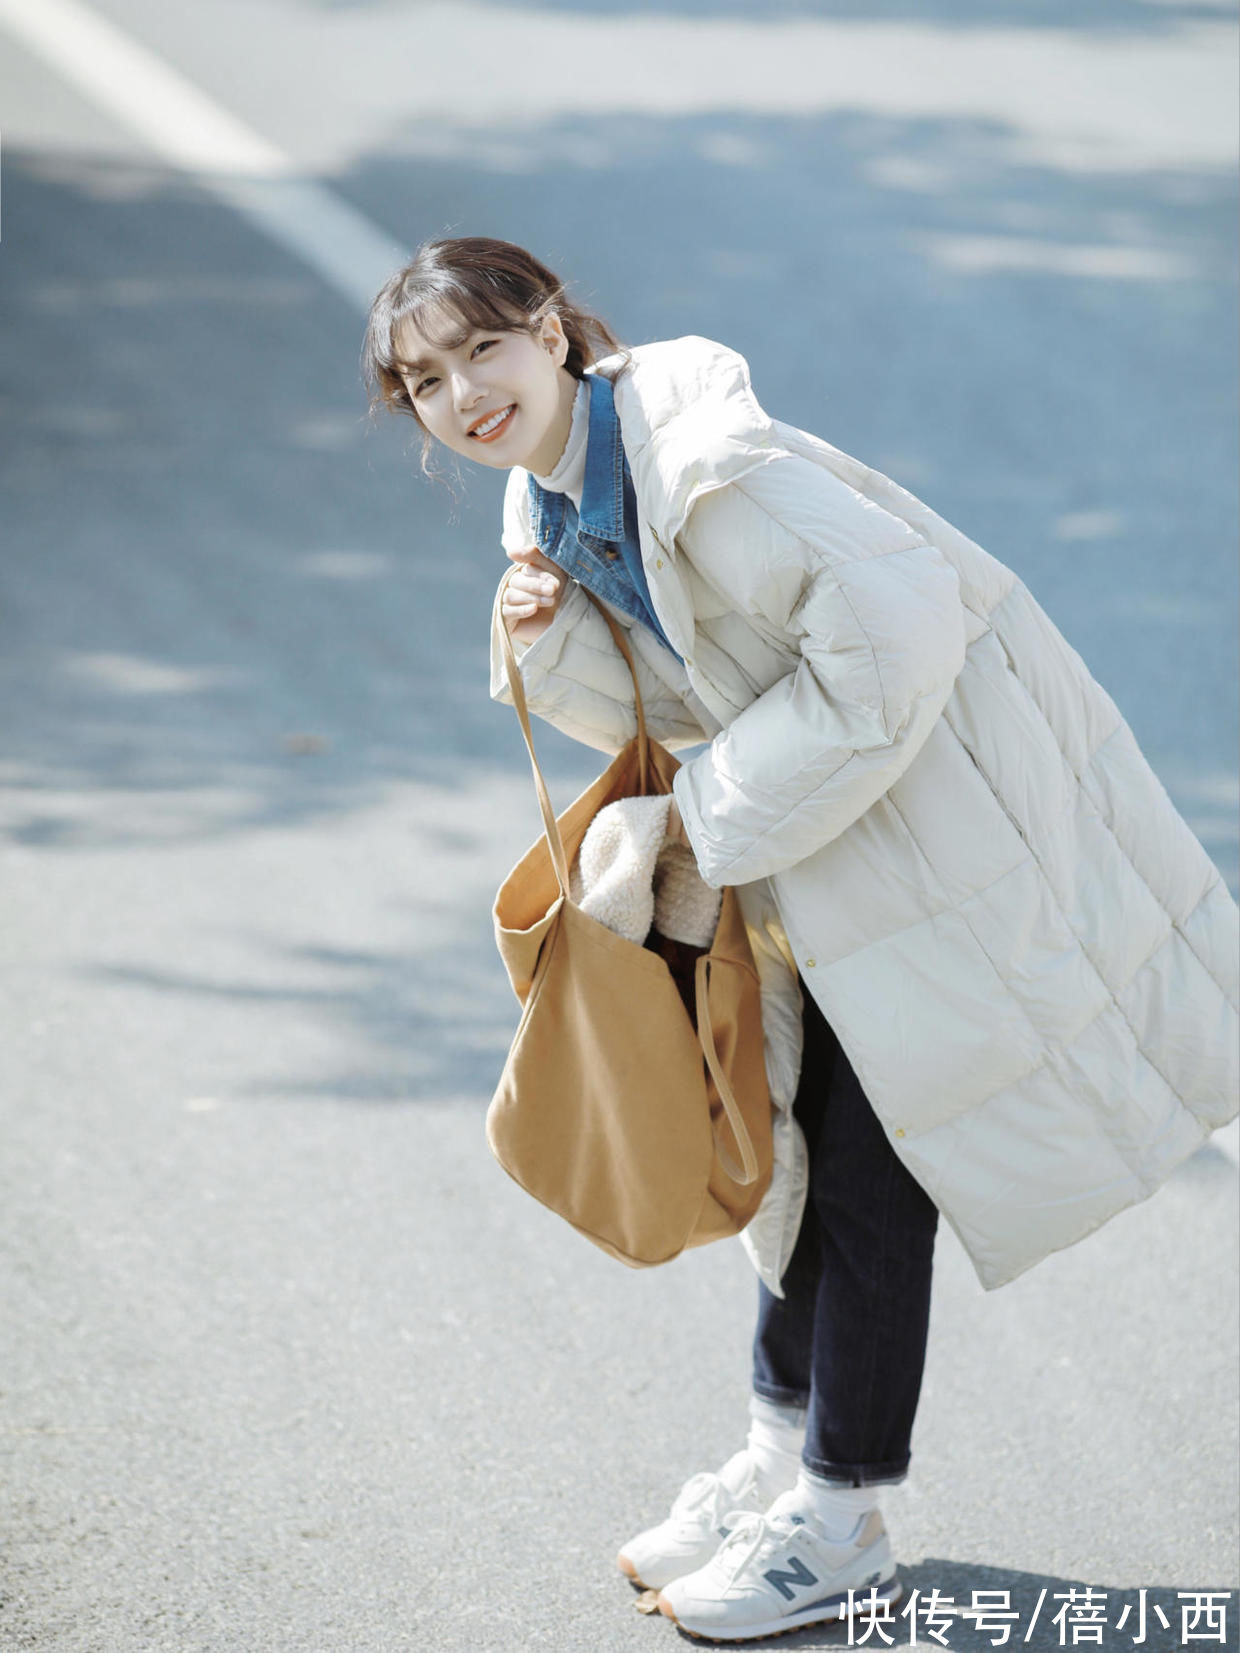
point(998, 970)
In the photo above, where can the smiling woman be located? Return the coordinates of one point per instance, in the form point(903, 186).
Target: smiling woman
point(997, 971)
point(477, 327)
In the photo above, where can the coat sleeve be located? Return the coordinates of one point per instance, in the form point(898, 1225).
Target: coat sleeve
point(575, 677)
point(877, 619)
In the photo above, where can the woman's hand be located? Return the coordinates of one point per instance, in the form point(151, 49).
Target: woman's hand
point(531, 595)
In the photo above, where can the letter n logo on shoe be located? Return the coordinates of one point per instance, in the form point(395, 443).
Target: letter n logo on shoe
point(783, 1578)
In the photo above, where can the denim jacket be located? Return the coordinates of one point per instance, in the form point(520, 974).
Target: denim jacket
point(599, 547)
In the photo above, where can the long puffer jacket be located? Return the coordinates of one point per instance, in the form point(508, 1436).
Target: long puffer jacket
point(936, 817)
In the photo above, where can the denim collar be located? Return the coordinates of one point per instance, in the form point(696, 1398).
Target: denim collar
point(599, 545)
point(601, 517)
point(602, 492)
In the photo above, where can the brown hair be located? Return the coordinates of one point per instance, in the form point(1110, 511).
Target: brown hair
point(479, 285)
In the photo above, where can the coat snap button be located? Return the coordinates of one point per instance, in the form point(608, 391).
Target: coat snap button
point(810, 963)
point(899, 1130)
point(658, 562)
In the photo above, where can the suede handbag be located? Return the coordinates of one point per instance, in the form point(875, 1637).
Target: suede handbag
point(634, 1100)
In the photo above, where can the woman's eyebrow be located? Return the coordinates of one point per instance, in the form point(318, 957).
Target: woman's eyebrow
point(422, 365)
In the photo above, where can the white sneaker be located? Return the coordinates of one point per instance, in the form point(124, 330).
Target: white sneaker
point(774, 1573)
point(698, 1524)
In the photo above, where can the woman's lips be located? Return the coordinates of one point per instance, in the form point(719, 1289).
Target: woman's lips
point(480, 435)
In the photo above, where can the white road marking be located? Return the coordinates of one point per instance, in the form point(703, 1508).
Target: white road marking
point(192, 132)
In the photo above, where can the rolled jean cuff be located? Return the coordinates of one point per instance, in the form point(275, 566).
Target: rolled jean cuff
point(790, 1400)
point(857, 1475)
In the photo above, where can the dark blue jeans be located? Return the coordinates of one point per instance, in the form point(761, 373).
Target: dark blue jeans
point(848, 1341)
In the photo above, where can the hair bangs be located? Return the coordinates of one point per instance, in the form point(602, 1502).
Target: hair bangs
point(447, 311)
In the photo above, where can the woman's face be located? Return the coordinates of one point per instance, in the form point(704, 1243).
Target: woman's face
point(503, 399)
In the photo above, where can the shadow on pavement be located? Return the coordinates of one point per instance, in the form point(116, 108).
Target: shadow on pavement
point(224, 596)
point(229, 607)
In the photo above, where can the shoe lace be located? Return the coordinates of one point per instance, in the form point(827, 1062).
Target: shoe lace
point(743, 1541)
point(750, 1531)
point(703, 1496)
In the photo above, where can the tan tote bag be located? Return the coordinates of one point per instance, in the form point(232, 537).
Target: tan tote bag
point(646, 1133)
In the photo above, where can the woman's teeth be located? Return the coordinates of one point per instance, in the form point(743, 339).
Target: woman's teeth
point(493, 423)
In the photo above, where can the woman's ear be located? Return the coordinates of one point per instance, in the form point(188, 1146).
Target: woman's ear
point(552, 337)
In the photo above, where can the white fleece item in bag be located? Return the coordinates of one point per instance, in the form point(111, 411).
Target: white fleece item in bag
point(628, 877)
point(686, 908)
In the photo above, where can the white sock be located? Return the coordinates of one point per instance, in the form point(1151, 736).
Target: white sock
point(776, 1437)
point(833, 1509)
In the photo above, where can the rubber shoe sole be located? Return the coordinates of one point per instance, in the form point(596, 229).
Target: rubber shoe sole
point(832, 1611)
point(630, 1572)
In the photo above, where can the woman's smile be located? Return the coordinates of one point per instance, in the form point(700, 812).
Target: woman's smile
point(492, 425)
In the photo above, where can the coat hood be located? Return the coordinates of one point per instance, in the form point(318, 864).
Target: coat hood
point(691, 424)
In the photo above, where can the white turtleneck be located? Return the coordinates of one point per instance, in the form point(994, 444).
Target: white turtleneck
point(569, 475)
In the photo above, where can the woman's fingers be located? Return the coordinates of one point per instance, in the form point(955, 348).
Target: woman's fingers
point(531, 593)
point(531, 588)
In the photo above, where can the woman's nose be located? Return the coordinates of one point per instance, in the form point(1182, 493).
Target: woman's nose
point(464, 391)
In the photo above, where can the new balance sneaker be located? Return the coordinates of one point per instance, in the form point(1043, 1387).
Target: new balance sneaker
point(697, 1525)
point(774, 1573)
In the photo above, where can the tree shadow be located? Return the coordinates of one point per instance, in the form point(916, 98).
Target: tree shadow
point(225, 604)
point(230, 606)
point(417, 1024)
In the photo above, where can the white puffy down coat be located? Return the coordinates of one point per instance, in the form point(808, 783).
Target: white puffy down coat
point(936, 816)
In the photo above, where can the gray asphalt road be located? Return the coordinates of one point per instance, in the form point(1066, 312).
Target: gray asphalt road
point(290, 1366)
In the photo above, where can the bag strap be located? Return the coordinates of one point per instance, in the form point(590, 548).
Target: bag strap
point(643, 739)
point(747, 1171)
point(517, 689)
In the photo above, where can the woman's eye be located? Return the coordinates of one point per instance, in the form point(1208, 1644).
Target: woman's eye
point(423, 385)
point(484, 344)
